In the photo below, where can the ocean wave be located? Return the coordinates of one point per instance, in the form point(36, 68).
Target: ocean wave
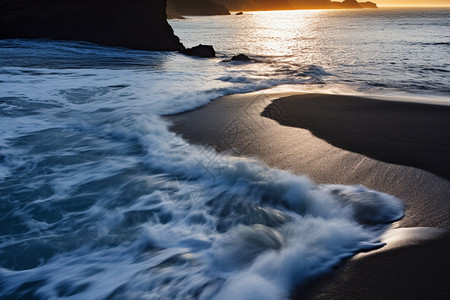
point(116, 206)
point(101, 200)
point(201, 235)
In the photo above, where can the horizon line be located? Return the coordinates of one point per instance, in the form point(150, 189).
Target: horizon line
point(379, 6)
point(414, 5)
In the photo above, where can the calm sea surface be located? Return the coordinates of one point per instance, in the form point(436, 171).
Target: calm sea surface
point(99, 200)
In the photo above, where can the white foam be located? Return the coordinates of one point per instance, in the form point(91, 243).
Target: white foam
point(109, 203)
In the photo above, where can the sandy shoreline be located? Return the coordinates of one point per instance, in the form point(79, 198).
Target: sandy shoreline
point(407, 267)
point(409, 134)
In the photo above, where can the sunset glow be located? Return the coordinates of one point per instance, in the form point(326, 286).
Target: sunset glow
point(268, 5)
point(413, 3)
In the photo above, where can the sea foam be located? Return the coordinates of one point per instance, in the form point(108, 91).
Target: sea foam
point(153, 222)
point(101, 200)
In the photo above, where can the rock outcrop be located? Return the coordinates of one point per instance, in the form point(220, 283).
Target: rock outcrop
point(347, 4)
point(195, 8)
point(206, 51)
point(368, 4)
point(354, 4)
point(241, 57)
point(138, 24)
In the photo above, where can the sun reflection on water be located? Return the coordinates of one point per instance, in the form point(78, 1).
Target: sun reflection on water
point(281, 34)
point(348, 45)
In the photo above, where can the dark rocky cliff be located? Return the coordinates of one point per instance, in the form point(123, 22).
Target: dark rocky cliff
point(139, 24)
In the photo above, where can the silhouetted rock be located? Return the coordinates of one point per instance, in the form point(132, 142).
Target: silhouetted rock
point(346, 4)
point(139, 24)
point(200, 51)
point(239, 13)
point(368, 4)
point(241, 57)
point(351, 4)
point(195, 8)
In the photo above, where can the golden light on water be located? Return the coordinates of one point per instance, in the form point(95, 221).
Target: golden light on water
point(274, 34)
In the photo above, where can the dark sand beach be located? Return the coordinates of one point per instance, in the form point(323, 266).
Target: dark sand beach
point(399, 148)
point(409, 134)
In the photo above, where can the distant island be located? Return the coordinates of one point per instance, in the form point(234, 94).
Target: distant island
point(222, 7)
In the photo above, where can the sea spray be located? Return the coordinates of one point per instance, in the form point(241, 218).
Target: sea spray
point(100, 200)
point(144, 234)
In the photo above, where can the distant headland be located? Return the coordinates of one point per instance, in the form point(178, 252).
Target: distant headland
point(222, 7)
point(254, 5)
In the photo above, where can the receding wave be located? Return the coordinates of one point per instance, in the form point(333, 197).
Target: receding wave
point(125, 228)
point(103, 201)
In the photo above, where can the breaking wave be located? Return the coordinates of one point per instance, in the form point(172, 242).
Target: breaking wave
point(120, 207)
point(100, 200)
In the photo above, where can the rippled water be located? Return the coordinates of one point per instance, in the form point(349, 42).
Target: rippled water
point(383, 51)
point(100, 200)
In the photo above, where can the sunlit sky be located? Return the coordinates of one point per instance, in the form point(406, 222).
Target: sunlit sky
point(412, 2)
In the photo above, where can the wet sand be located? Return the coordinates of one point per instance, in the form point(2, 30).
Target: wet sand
point(409, 134)
point(353, 141)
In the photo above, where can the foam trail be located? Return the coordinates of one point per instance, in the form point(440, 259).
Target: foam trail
point(247, 223)
point(101, 200)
